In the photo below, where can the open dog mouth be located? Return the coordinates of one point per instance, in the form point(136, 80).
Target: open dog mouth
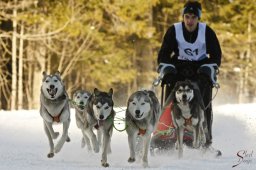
point(52, 92)
point(81, 107)
point(138, 116)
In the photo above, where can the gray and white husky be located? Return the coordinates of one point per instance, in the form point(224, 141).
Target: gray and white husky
point(187, 112)
point(142, 115)
point(54, 108)
point(100, 107)
point(80, 100)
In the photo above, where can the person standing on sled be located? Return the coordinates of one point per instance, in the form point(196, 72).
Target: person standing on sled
point(191, 50)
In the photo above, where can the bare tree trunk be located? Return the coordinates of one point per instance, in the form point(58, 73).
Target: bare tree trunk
point(14, 57)
point(20, 78)
point(248, 58)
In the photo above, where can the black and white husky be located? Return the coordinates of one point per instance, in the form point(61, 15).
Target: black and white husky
point(80, 100)
point(142, 115)
point(54, 108)
point(100, 107)
point(187, 112)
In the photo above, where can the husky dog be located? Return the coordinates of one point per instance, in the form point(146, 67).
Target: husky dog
point(187, 112)
point(80, 100)
point(142, 115)
point(100, 107)
point(54, 108)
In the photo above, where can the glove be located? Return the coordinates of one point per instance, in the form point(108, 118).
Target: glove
point(211, 71)
point(164, 69)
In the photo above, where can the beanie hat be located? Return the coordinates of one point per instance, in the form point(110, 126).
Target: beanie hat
point(193, 7)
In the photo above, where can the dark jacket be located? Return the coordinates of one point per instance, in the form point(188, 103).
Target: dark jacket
point(169, 50)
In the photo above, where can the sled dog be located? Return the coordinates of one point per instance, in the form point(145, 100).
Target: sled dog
point(80, 100)
point(100, 107)
point(142, 115)
point(54, 108)
point(187, 111)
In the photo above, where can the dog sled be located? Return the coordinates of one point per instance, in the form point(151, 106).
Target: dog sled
point(164, 137)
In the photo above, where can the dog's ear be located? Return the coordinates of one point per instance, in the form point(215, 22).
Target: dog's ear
point(110, 92)
point(96, 92)
point(150, 93)
point(44, 73)
point(57, 73)
point(89, 93)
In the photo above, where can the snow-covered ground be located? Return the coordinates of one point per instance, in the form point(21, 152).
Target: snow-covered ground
point(24, 146)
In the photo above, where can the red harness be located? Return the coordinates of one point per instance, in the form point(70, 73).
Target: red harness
point(56, 118)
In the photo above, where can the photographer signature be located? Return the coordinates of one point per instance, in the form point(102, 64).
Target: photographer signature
point(243, 157)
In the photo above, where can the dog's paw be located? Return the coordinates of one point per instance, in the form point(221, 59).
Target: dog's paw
point(55, 135)
point(50, 155)
point(68, 139)
point(131, 160)
point(104, 164)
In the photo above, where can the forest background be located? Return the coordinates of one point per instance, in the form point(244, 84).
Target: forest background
point(113, 44)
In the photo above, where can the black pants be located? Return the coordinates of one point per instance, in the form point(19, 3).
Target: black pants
point(205, 86)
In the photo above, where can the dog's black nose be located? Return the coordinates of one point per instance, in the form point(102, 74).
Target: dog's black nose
point(52, 86)
point(137, 112)
point(184, 96)
point(101, 117)
point(81, 103)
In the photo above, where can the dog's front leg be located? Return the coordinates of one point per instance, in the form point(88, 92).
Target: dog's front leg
point(106, 144)
point(196, 136)
point(93, 140)
point(132, 141)
point(45, 114)
point(51, 153)
point(86, 140)
point(180, 135)
point(146, 142)
point(99, 137)
point(64, 136)
point(53, 134)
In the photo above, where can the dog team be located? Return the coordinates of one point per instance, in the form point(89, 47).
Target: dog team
point(95, 112)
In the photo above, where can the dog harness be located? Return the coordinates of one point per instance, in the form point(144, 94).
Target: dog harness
point(191, 51)
point(56, 118)
point(188, 122)
point(142, 132)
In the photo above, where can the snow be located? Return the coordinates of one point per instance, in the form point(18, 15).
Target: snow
point(24, 146)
